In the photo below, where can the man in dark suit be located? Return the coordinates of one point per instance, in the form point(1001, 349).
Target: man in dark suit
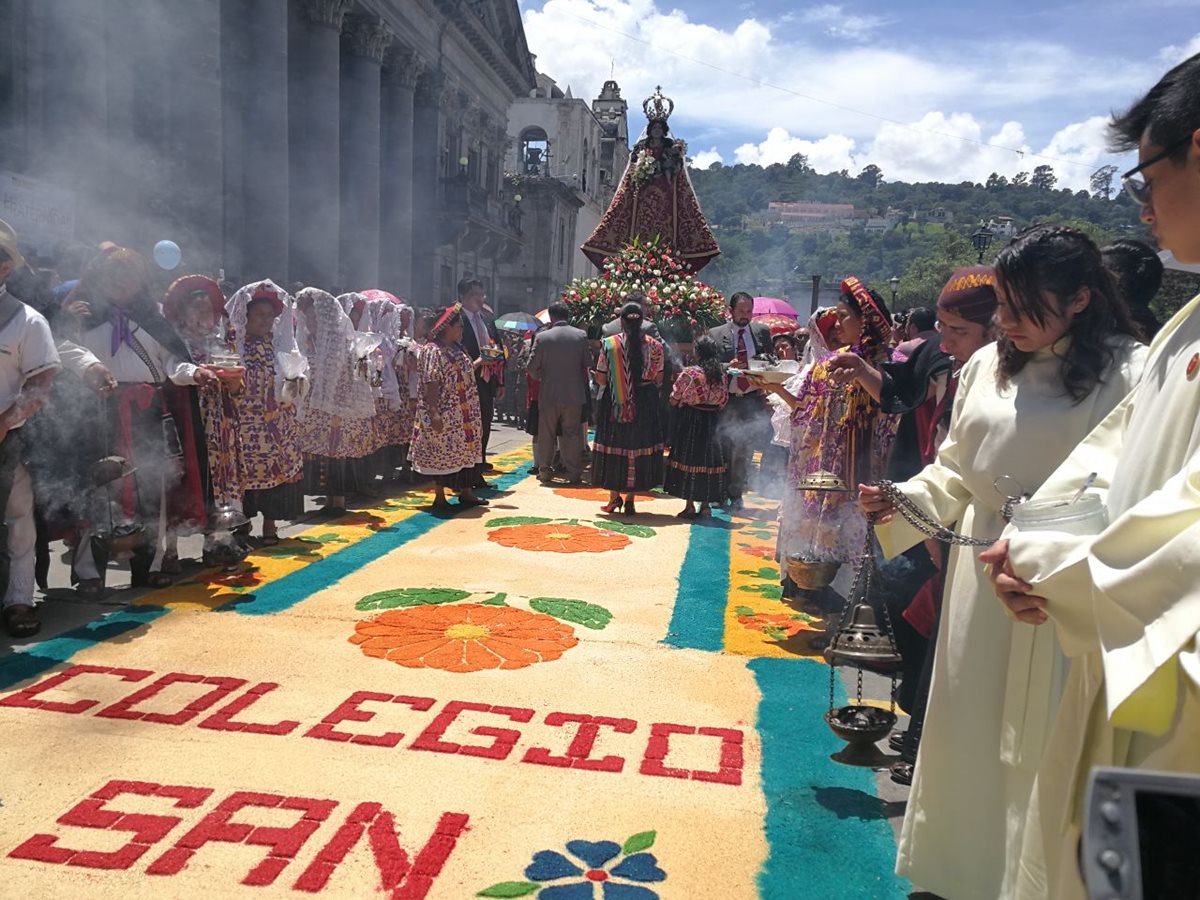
point(560, 360)
point(745, 424)
point(480, 331)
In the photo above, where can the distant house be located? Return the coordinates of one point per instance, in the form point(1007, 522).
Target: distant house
point(808, 215)
point(877, 225)
point(1002, 226)
point(939, 215)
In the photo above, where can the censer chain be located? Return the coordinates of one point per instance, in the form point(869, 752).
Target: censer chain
point(920, 520)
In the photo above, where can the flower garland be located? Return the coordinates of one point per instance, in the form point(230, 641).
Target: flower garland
point(685, 304)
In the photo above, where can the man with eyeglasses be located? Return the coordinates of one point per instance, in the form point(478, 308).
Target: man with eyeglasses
point(1125, 603)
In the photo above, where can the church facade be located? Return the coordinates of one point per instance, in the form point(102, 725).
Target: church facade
point(341, 143)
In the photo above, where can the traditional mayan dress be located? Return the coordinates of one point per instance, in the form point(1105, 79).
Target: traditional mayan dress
point(458, 446)
point(996, 683)
point(1123, 604)
point(272, 462)
point(337, 417)
point(840, 430)
point(627, 454)
point(696, 468)
point(219, 415)
point(663, 206)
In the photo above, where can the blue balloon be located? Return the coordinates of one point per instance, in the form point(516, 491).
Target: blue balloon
point(167, 254)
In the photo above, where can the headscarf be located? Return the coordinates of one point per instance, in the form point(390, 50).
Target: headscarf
point(183, 288)
point(290, 362)
point(449, 316)
point(877, 321)
point(971, 293)
point(385, 316)
point(338, 388)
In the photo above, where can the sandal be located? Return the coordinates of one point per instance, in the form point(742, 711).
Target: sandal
point(159, 580)
point(269, 540)
point(20, 621)
point(471, 500)
point(901, 772)
point(171, 564)
point(896, 741)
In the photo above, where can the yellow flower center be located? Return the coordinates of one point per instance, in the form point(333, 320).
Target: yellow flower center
point(559, 535)
point(465, 631)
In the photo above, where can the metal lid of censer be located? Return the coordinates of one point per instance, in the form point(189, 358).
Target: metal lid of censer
point(822, 481)
point(862, 643)
point(109, 469)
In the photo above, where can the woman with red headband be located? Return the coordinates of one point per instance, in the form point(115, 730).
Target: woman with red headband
point(447, 436)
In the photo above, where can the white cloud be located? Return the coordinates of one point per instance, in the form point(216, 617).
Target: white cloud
point(838, 23)
point(705, 158)
point(1177, 54)
point(829, 154)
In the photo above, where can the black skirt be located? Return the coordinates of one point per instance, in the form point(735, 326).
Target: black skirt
point(284, 501)
point(628, 456)
point(696, 468)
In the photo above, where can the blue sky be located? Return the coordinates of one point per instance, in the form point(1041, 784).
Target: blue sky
point(927, 90)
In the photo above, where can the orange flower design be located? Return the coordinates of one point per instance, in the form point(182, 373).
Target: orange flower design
point(559, 538)
point(600, 495)
point(783, 625)
point(468, 637)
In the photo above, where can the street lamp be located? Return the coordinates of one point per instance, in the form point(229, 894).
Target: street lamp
point(894, 281)
point(981, 239)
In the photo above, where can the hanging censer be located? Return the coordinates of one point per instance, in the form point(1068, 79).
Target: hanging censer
point(860, 643)
point(827, 471)
point(120, 538)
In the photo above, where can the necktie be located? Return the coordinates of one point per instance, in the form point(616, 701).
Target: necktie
point(122, 329)
point(482, 338)
point(743, 362)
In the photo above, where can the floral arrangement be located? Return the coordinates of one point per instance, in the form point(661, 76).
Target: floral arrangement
point(645, 168)
point(685, 304)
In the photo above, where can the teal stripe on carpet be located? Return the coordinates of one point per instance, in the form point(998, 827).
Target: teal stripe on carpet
point(828, 832)
point(698, 620)
point(303, 583)
point(26, 662)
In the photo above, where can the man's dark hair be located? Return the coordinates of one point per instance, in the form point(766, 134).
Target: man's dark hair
point(922, 318)
point(559, 312)
point(466, 285)
point(1137, 269)
point(1168, 113)
point(737, 297)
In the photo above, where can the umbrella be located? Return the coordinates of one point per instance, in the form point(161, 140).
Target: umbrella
point(777, 323)
point(765, 305)
point(543, 316)
point(518, 321)
point(382, 295)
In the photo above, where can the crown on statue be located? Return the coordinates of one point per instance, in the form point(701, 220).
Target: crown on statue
point(657, 107)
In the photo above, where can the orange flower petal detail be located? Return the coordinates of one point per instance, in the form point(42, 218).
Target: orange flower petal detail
point(466, 637)
point(559, 538)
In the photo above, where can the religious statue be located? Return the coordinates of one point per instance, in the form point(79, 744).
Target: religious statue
point(655, 198)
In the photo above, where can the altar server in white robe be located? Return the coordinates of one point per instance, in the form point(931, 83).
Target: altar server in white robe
point(1066, 357)
point(1125, 604)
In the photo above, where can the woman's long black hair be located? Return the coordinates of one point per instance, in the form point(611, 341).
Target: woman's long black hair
point(631, 324)
point(1040, 272)
point(708, 357)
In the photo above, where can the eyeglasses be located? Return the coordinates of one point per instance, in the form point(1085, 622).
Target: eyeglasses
point(1138, 187)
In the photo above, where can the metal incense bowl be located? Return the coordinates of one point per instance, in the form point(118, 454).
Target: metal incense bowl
point(811, 574)
point(860, 725)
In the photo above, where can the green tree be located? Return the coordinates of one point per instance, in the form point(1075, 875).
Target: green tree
point(1043, 179)
point(1102, 182)
point(1021, 179)
point(995, 182)
point(872, 175)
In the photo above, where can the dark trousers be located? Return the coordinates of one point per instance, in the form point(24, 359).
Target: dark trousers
point(487, 409)
point(920, 701)
point(10, 456)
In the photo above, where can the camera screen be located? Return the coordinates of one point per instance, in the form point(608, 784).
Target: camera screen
point(1169, 845)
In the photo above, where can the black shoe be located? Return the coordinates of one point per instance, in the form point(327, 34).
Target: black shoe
point(480, 483)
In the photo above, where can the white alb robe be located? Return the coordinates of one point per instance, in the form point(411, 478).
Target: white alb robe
point(1125, 604)
point(995, 682)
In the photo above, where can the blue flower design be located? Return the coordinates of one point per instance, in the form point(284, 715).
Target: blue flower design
point(623, 881)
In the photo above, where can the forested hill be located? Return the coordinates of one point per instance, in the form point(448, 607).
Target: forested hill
point(769, 258)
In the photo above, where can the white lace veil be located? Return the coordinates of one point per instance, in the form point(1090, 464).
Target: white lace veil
point(290, 362)
point(339, 387)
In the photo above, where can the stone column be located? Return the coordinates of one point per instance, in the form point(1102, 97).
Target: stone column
point(265, 143)
point(364, 42)
point(426, 174)
point(400, 74)
point(314, 161)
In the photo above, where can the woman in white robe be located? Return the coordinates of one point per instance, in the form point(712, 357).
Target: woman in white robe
point(1022, 405)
